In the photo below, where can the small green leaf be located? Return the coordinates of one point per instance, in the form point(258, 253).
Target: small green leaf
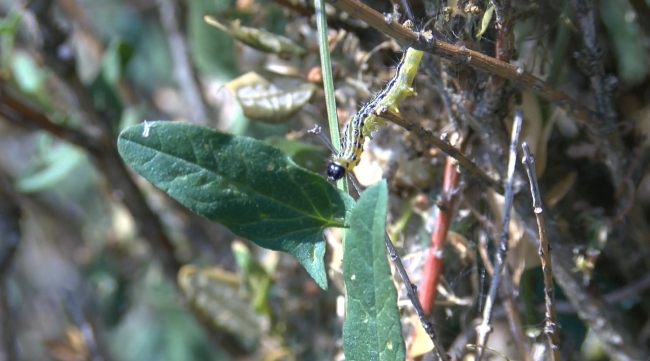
point(115, 59)
point(254, 189)
point(8, 29)
point(485, 21)
point(627, 40)
point(372, 329)
point(9, 23)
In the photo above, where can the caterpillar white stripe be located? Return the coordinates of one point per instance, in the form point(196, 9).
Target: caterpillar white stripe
point(365, 121)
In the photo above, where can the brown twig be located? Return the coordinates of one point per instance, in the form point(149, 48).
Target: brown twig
point(484, 329)
point(617, 342)
point(475, 59)
point(450, 150)
point(550, 329)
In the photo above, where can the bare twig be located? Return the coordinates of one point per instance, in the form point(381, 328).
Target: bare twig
point(443, 145)
point(550, 329)
point(484, 328)
point(617, 342)
point(184, 72)
point(411, 292)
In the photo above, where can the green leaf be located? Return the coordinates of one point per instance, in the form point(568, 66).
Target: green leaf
point(627, 40)
point(372, 329)
point(115, 59)
point(485, 21)
point(306, 155)
point(254, 189)
point(57, 165)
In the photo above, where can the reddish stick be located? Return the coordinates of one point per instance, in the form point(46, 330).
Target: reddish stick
point(434, 262)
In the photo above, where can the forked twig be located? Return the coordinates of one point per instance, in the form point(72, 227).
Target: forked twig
point(550, 329)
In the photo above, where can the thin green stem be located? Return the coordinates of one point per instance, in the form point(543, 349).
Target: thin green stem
point(328, 82)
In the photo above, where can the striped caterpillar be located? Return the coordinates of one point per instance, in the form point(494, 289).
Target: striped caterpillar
point(365, 121)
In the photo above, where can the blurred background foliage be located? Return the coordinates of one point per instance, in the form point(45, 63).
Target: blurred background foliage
point(81, 263)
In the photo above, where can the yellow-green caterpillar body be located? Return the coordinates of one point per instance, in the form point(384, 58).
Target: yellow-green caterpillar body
point(365, 121)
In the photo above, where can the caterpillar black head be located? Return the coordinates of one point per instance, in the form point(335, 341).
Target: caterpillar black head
point(335, 171)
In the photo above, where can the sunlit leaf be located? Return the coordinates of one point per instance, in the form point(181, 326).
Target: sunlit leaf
point(257, 38)
point(29, 77)
point(372, 329)
point(72, 347)
point(263, 101)
point(252, 188)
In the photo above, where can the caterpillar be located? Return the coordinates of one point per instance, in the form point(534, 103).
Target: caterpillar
point(364, 122)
